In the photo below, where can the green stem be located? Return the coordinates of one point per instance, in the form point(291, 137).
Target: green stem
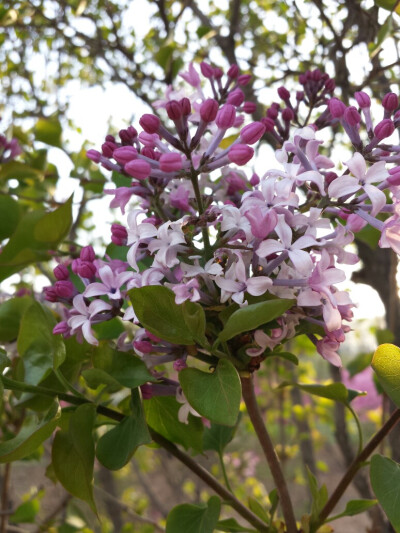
point(356, 465)
point(267, 446)
point(359, 429)
point(204, 231)
point(222, 464)
point(184, 458)
point(65, 383)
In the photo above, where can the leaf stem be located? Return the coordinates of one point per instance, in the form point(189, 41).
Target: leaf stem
point(269, 451)
point(183, 457)
point(356, 464)
point(222, 464)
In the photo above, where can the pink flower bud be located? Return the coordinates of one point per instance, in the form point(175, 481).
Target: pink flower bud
point(124, 154)
point(252, 133)
point(352, 116)
point(60, 328)
point(284, 93)
point(316, 75)
point(226, 117)
point(287, 114)
point(186, 106)
point(150, 123)
point(244, 79)
point(110, 138)
point(363, 100)
point(148, 152)
point(390, 102)
point(206, 70)
point(118, 234)
point(64, 289)
point(240, 154)
point(128, 135)
point(147, 388)
point(179, 364)
point(299, 96)
point(174, 110)
point(233, 71)
point(209, 110)
point(268, 123)
point(336, 107)
point(50, 294)
point(94, 155)
point(108, 149)
point(138, 169)
point(218, 73)
point(84, 269)
point(87, 254)
point(272, 113)
point(254, 180)
point(61, 272)
point(355, 223)
point(394, 178)
point(249, 107)
point(171, 162)
point(384, 129)
point(236, 97)
point(148, 139)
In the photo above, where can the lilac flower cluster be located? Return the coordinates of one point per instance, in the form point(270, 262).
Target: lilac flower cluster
point(216, 236)
point(9, 150)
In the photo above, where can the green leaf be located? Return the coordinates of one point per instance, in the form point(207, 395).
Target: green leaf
point(48, 130)
point(258, 509)
point(386, 363)
point(231, 526)
point(37, 233)
point(30, 437)
point(215, 395)
point(26, 512)
point(319, 496)
point(73, 454)
point(157, 311)
point(9, 216)
point(253, 316)
point(385, 481)
point(18, 171)
point(195, 320)
point(285, 355)
point(217, 437)
point(334, 391)
point(40, 349)
point(116, 447)
point(353, 508)
point(11, 312)
point(124, 367)
point(194, 518)
point(162, 416)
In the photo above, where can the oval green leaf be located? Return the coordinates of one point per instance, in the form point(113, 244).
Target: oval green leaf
point(386, 363)
point(214, 395)
point(194, 518)
point(385, 481)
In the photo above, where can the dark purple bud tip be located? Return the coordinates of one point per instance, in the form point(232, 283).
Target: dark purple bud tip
point(209, 110)
point(206, 70)
point(150, 123)
point(284, 93)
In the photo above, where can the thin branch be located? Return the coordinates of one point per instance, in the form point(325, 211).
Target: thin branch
point(4, 496)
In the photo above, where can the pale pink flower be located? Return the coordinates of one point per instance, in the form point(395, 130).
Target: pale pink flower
point(82, 320)
point(111, 284)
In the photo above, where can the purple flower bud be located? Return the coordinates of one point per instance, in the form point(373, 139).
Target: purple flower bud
point(218, 73)
point(206, 70)
point(94, 155)
point(150, 123)
point(209, 110)
point(384, 129)
point(149, 152)
point(240, 154)
point(284, 93)
point(244, 79)
point(329, 177)
point(236, 97)
point(186, 106)
point(143, 346)
point(108, 149)
point(272, 113)
point(268, 123)
point(394, 178)
point(226, 117)
point(128, 135)
point(330, 85)
point(233, 72)
point(174, 110)
point(149, 139)
point(124, 154)
point(118, 234)
point(316, 75)
point(299, 96)
point(61, 328)
point(390, 102)
point(61, 272)
point(254, 180)
point(110, 138)
point(87, 254)
point(171, 162)
point(287, 114)
point(352, 116)
point(336, 107)
point(179, 364)
point(64, 289)
point(50, 294)
point(252, 133)
point(363, 100)
point(84, 269)
point(355, 223)
point(302, 79)
point(146, 389)
point(249, 107)
point(138, 169)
